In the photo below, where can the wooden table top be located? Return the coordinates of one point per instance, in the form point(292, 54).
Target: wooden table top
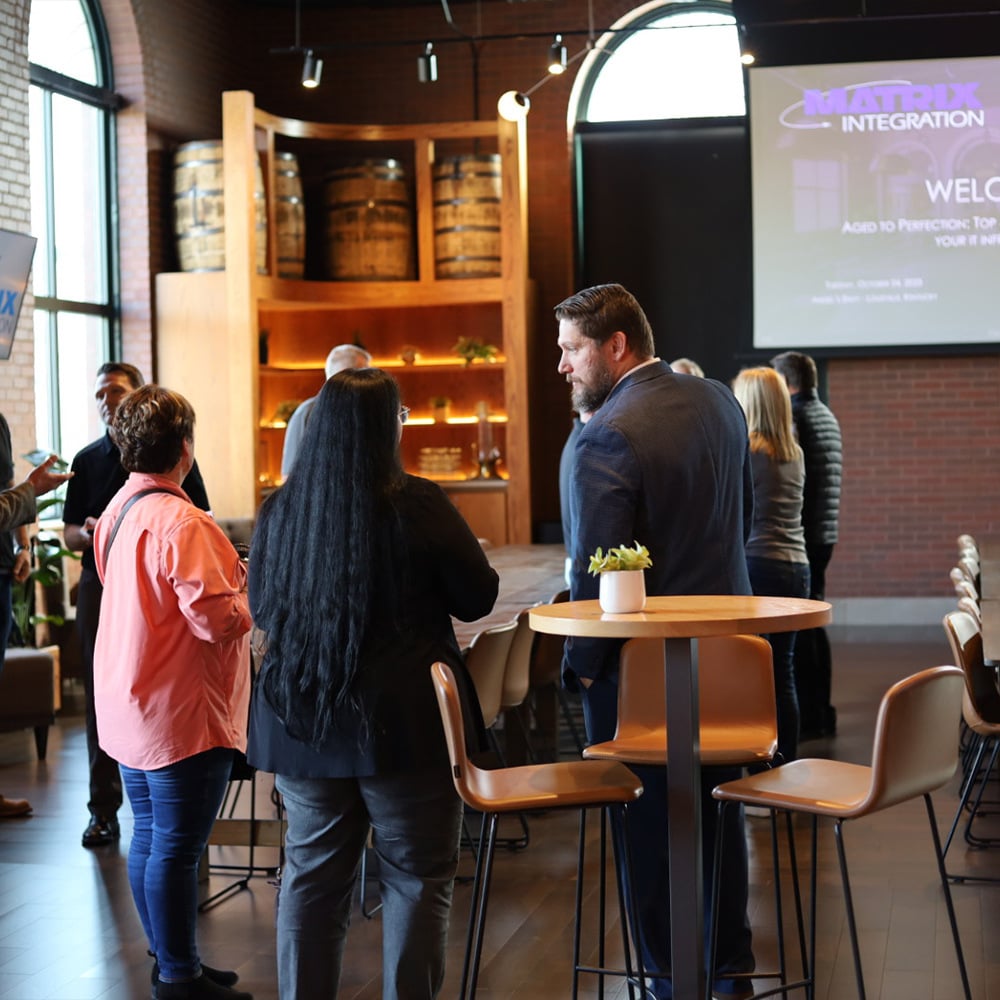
point(686, 616)
point(528, 574)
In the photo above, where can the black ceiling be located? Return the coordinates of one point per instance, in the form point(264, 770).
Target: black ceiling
point(375, 4)
point(789, 11)
point(786, 32)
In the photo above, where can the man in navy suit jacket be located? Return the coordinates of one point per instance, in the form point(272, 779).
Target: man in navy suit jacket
point(664, 460)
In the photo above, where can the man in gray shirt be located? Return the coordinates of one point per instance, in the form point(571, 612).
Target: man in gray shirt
point(341, 357)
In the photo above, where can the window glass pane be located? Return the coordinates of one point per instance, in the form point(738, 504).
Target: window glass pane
point(682, 65)
point(64, 384)
point(39, 192)
point(59, 38)
point(46, 435)
point(78, 200)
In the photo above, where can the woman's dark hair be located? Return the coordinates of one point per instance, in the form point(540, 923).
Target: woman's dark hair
point(150, 427)
point(324, 546)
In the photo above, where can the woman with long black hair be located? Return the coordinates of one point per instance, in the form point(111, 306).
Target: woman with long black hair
point(355, 571)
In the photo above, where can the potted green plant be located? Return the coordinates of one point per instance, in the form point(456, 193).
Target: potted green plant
point(48, 553)
point(473, 349)
point(623, 584)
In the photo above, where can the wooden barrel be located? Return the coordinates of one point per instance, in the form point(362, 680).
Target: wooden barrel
point(467, 216)
point(199, 208)
point(369, 225)
point(289, 216)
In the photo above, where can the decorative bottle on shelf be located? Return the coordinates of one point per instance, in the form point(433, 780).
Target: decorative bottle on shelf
point(487, 454)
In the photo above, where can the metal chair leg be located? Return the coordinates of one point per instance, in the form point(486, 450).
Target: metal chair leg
point(939, 857)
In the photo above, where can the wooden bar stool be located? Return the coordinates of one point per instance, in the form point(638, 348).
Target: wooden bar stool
point(914, 753)
point(981, 714)
point(738, 726)
point(564, 785)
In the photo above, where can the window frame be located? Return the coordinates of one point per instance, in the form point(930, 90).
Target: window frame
point(624, 29)
point(49, 84)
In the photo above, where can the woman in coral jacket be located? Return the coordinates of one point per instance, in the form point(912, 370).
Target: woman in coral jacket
point(171, 677)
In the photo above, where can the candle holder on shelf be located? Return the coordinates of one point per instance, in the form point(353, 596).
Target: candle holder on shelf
point(486, 452)
point(440, 408)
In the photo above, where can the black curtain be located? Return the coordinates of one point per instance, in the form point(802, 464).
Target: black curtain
point(664, 208)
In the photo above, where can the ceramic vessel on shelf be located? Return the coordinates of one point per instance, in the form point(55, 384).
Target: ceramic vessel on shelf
point(622, 591)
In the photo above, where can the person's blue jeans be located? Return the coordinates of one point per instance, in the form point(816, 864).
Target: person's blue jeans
point(780, 578)
point(416, 821)
point(648, 821)
point(174, 808)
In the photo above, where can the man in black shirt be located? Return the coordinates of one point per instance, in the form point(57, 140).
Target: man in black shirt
point(98, 475)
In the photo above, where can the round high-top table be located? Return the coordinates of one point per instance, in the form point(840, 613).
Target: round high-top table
point(680, 622)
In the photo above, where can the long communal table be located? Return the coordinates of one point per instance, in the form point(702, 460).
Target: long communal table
point(989, 595)
point(529, 574)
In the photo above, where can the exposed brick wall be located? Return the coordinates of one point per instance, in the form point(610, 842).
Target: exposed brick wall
point(172, 61)
point(921, 465)
point(17, 376)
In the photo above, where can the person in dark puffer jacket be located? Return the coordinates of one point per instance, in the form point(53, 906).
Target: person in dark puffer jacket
point(820, 439)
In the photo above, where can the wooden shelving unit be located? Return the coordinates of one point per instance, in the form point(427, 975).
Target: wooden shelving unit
point(209, 327)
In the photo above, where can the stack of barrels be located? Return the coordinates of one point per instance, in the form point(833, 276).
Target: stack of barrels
point(467, 216)
point(200, 215)
point(200, 212)
point(369, 223)
point(369, 216)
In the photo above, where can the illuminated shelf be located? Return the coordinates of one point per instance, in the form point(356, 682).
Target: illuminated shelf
point(428, 365)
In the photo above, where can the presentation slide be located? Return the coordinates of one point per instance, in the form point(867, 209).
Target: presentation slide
point(876, 203)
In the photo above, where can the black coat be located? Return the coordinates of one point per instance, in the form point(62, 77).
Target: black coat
point(442, 571)
point(820, 440)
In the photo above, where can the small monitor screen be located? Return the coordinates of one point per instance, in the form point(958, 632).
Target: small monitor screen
point(16, 253)
point(876, 203)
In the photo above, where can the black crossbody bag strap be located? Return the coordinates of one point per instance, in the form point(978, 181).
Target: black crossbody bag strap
point(128, 503)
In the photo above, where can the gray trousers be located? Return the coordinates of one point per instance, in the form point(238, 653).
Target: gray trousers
point(416, 823)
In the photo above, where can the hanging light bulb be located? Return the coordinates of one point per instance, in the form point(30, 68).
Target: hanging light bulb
point(557, 56)
point(312, 70)
point(427, 65)
point(513, 106)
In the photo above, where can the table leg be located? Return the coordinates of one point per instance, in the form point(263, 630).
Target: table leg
point(684, 827)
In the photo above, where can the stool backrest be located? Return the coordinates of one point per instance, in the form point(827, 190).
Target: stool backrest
point(916, 747)
point(517, 676)
point(972, 609)
point(735, 684)
point(547, 652)
point(463, 771)
point(982, 705)
point(486, 660)
point(964, 587)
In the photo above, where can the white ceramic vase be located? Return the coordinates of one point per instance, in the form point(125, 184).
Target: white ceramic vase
point(622, 591)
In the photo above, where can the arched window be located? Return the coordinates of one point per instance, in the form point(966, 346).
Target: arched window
point(71, 124)
point(666, 59)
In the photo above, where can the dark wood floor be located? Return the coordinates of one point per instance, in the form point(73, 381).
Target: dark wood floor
point(68, 930)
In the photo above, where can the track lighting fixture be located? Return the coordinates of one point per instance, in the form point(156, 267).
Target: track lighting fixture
point(513, 106)
point(312, 70)
point(427, 65)
point(557, 56)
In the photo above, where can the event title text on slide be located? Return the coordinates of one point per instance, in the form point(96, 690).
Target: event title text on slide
point(894, 106)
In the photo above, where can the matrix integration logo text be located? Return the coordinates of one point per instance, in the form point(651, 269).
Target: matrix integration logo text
point(888, 106)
